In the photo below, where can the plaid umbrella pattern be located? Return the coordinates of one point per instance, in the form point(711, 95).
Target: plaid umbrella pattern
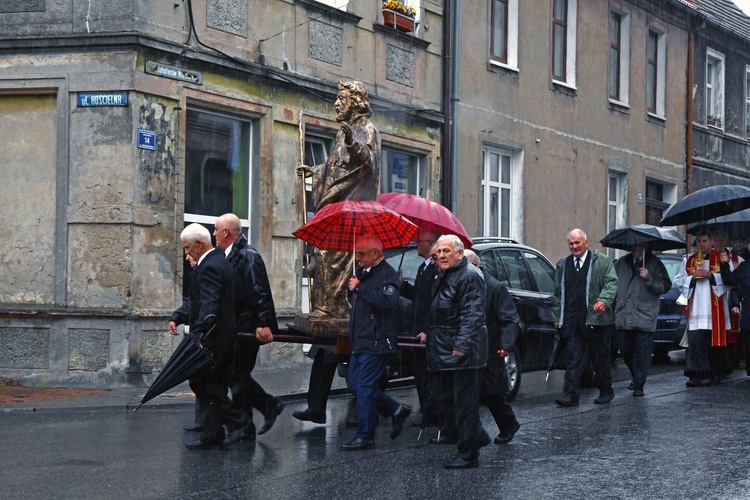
point(337, 225)
point(426, 214)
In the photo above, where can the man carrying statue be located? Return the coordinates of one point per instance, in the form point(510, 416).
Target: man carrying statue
point(352, 172)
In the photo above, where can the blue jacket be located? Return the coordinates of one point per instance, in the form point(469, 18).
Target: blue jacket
point(373, 323)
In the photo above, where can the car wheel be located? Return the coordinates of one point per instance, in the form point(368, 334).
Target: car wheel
point(513, 368)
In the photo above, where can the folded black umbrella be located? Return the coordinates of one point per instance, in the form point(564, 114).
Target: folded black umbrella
point(708, 203)
point(188, 359)
point(657, 238)
point(557, 347)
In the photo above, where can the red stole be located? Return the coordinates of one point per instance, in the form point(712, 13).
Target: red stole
point(718, 320)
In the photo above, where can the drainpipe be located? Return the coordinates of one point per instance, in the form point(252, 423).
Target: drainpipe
point(446, 191)
point(689, 184)
point(454, 103)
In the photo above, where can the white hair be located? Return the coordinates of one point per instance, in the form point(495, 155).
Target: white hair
point(195, 232)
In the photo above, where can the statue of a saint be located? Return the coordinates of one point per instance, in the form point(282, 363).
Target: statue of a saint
point(352, 172)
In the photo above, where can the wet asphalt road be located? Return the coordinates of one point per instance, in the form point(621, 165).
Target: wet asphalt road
point(674, 443)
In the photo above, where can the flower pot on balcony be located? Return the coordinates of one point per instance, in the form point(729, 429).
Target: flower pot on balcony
point(399, 21)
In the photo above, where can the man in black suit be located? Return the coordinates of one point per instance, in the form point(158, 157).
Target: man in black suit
point(255, 314)
point(212, 322)
point(419, 294)
point(502, 330)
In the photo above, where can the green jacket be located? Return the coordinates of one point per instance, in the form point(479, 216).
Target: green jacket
point(601, 284)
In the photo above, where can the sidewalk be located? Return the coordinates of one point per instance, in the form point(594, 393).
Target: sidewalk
point(288, 384)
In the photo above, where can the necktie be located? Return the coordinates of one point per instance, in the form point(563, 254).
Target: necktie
point(637, 263)
point(578, 264)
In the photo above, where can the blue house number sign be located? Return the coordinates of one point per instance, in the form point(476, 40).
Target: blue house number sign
point(146, 139)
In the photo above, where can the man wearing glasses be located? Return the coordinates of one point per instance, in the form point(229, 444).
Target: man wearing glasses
point(373, 293)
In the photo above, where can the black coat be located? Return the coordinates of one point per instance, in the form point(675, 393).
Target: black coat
point(502, 319)
point(212, 302)
point(420, 294)
point(740, 278)
point(373, 322)
point(456, 320)
point(254, 301)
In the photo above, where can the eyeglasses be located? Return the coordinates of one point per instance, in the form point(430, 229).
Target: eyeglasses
point(433, 258)
point(362, 254)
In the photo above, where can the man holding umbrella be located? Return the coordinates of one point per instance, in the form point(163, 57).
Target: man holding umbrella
point(642, 279)
point(585, 288)
point(373, 334)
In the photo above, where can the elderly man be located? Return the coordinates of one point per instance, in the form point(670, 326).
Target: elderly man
point(212, 322)
point(420, 293)
point(457, 348)
point(641, 281)
point(502, 330)
point(700, 280)
point(585, 289)
point(255, 314)
point(351, 172)
point(374, 340)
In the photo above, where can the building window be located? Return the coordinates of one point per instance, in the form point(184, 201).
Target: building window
point(619, 56)
point(218, 170)
point(504, 33)
point(402, 172)
point(501, 173)
point(564, 41)
point(714, 88)
point(747, 100)
point(616, 205)
point(659, 196)
point(336, 4)
point(655, 73)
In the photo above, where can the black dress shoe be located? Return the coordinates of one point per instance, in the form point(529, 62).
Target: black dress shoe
point(631, 387)
point(604, 399)
point(201, 444)
point(507, 435)
point(308, 415)
point(358, 444)
point(271, 419)
point(566, 402)
point(398, 420)
point(444, 438)
point(638, 392)
point(236, 435)
point(193, 428)
point(693, 383)
point(460, 463)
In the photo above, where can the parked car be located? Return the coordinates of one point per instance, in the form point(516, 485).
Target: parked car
point(672, 320)
point(530, 279)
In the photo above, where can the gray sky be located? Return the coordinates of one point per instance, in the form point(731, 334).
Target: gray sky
point(744, 5)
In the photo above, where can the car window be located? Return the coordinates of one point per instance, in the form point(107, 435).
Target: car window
point(409, 265)
point(673, 267)
point(518, 273)
point(544, 273)
point(489, 265)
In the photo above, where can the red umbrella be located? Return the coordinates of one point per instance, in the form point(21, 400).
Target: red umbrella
point(426, 214)
point(337, 226)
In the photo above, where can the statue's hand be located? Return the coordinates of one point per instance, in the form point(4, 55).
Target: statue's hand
point(347, 131)
point(304, 171)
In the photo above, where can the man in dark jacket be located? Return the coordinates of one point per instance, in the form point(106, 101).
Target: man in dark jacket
point(585, 289)
point(255, 314)
point(457, 347)
point(740, 301)
point(212, 321)
point(374, 339)
point(502, 329)
point(420, 293)
point(641, 281)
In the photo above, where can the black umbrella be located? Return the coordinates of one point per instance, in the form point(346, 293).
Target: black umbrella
point(736, 224)
point(558, 346)
point(707, 203)
point(657, 238)
point(188, 359)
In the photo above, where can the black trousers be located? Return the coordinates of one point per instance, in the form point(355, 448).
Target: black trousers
point(494, 383)
point(322, 372)
point(637, 347)
point(459, 390)
point(599, 354)
point(216, 409)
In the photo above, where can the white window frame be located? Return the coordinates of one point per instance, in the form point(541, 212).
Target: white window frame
point(512, 37)
point(570, 47)
point(668, 193)
point(336, 4)
point(715, 90)
point(661, 74)
point(624, 59)
point(618, 204)
point(747, 100)
point(515, 218)
point(189, 218)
